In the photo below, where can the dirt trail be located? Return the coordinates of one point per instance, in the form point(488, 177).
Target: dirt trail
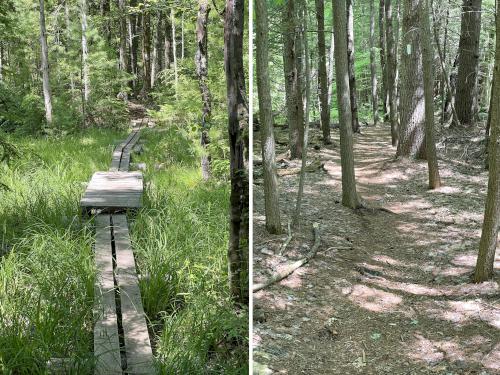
point(387, 293)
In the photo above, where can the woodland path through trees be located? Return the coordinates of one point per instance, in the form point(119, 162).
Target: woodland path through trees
point(387, 291)
point(121, 338)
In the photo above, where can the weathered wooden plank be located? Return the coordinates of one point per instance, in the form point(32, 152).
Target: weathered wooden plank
point(114, 189)
point(106, 341)
point(137, 345)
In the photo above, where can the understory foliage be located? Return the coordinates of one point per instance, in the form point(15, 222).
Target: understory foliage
point(184, 272)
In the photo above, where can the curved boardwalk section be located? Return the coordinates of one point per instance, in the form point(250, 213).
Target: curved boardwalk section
point(121, 339)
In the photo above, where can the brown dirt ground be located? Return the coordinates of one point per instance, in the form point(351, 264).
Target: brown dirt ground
point(387, 293)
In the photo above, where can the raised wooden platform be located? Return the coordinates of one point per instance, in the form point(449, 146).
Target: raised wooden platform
point(114, 190)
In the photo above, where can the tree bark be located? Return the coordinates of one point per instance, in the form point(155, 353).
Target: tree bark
point(146, 51)
point(349, 195)
point(238, 122)
point(271, 193)
point(373, 64)
point(352, 73)
point(132, 43)
point(123, 59)
point(182, 36)
point(428, 65)
point(391, 72)
point(383, 64)
point(322, 75)
point(331, 68)
point(468, 61)
point(167, 44)
point(45, 67)
point(174, 51)
point(412, 128)
point(489, 234)
point(293, 81)
point(85, 66)
point(201, 61)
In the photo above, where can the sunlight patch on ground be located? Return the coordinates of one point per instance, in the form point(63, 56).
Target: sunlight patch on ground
point(374, 299)
point(492, 359)
point(464, 312)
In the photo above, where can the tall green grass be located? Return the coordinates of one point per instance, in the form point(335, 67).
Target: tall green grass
point(46, 265)
point(180, 239)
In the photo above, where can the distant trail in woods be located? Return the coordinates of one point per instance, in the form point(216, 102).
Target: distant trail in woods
point(386, 293)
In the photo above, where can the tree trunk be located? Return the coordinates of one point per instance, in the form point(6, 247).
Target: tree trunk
point(468, 61)
point(373, 64)
point(303, 15)
point(146, 51)
point(489, 234)
point(428, 65)
point(391, 72)
point(182, 36)
point(352, 73)
point(123, 36)
point(331, 69)
point(174, 51)
point(293, 82)
point(1, 61)
point(201, 61)
point(349, 195)
point(383, 64)
point(238, 117)
point(488, 128)
point(132, 42)
point(167, 44)
point(322, 75)
point(85, 66)
point(45, 66)
point(271, 193)
point(412, 128)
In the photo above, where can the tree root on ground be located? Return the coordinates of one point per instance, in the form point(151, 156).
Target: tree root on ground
point(287, 271)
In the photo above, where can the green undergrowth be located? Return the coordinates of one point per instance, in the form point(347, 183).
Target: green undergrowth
point(180, 239)
point(46, 264)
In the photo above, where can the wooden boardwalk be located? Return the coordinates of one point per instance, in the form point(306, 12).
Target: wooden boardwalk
point(121, 339)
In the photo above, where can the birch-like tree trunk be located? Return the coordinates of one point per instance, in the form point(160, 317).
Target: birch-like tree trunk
point(322, 74)
point(85, 65)
point(123, 57)
point(331, 68)
point(201, 62)
point(132, 42)
point(45, 66)
point(350, 196)
point(174, 51)
point(146, 51)
point(182, 35)
point(383, 63)
point(271, 192)
point(489, 234)
point(238, 122)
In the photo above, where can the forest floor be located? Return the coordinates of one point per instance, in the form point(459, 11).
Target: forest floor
point(387, 293)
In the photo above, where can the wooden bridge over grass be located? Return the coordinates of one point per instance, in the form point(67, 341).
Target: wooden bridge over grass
point(121, 339)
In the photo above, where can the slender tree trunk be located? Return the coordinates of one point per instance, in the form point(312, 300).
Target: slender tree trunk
point(238, 117)
point(271, 193)
point(201, 61)
point(293, 83)
point(383, 64)
point(146, 51)
point(428, 65)
point(352, 73)
point(373, 64)
point(85, 66)
point(132, 42)
point(45, 66)
point(123, 36)
point(412, 129)
point(349, 195)
point(167, 44)
point(105, 14)
point(174, 52)
point(445, 79)
point(489, 234)
point(1, 61)
point(304, 16)
point(182, 35)
point(331, 68)
point(158, 60)
point(488, 128)
point(468, 63)
point(322, 75)
point(391, 71)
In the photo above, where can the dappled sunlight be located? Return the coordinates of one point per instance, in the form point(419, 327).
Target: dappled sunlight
point(374, 299)
point(492, 359)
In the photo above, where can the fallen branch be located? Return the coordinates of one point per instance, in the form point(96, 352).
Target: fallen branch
point(287, 271)
point(287, 241)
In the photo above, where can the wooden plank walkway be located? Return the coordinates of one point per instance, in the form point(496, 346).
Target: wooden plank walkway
point(121, 338)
